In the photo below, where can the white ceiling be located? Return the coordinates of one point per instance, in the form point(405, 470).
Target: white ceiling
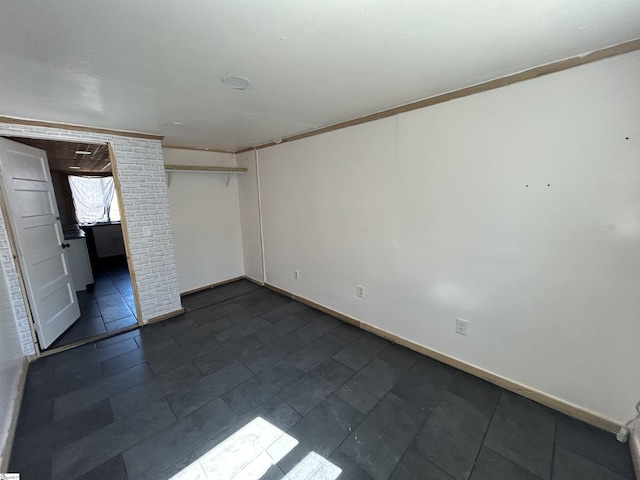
point(139, 65)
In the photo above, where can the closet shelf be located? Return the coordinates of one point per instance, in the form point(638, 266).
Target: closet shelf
point(196, 169)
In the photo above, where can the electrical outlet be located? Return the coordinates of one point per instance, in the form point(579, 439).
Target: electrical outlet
point(296, 274)
point(360, 291)
point(146, 231)
point(461, 326)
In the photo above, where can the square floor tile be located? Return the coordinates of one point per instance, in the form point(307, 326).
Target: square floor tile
point(596, 445)
point(72, 402)
point(523, 431)
point(380, 441)
point(357, 354)
point(150, 390)
point(316, 352)
point(191, 397)
point(270, 354)
point(82, 328)
point(153, 401)
point(158, 452)
point(368, 386)
point(568, 465)
point(115, 312)
point(425, 383)
point(475, 390)
point(112, 469)
point(93, 450)
point(452, 435)
point(309, 391)
point(414, 466)
point(253, 392)
point(115, 325)
point(492, 466)
point(321, 431)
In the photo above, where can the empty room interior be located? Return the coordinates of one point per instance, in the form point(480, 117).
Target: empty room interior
point(320, 240)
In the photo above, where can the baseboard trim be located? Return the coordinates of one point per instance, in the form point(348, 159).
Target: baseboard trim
point(212, 285)
point(253, 280)
point(84, 341)
point(317, 306)
point(15, 414)
point(511, 385)
point(634, 446)
point(166, 316)
point(550, 401)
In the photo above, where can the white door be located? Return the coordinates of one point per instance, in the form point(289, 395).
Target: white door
point(28, 192)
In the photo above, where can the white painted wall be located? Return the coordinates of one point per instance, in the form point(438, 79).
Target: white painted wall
point(250, 214)
point(205, 220)
point(181, 156)
point(431, 212)
point(11, 364)
point(13, 302)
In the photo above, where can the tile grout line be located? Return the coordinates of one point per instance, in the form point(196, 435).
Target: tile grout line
point(392, 362)
point(221, 301)
point(426, 418)
point(555, 444)
point(484, 437)
point(372, 408)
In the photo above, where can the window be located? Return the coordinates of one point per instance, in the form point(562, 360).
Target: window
point(95, 199)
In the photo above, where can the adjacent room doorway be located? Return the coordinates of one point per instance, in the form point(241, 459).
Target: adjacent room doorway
point(63, 207)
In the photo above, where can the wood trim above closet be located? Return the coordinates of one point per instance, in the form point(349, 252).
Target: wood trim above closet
point(79, 128)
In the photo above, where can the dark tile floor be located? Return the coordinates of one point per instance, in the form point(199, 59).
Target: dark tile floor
point(109, 307)
point(249, 384)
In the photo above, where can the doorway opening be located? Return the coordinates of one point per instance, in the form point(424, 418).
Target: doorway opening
point(93, 241)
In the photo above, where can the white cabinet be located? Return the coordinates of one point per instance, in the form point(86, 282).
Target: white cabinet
point(108, 240)
point(78, 258)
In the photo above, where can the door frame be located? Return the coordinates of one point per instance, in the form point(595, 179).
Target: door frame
point(14, 252)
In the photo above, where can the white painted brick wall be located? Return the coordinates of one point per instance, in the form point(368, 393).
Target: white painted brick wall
point(15, 295)
point(143, 189)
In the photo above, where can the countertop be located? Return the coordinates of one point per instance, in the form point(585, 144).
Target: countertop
point(73, 232)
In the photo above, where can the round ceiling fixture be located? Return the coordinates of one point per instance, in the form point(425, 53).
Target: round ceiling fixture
point(236, 82)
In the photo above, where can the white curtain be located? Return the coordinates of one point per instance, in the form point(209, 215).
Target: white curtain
point(92, 198)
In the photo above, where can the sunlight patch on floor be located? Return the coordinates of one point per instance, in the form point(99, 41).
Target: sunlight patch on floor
point(251, 452)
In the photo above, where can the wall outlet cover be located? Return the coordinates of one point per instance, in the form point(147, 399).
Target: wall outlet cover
point(461, 326)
